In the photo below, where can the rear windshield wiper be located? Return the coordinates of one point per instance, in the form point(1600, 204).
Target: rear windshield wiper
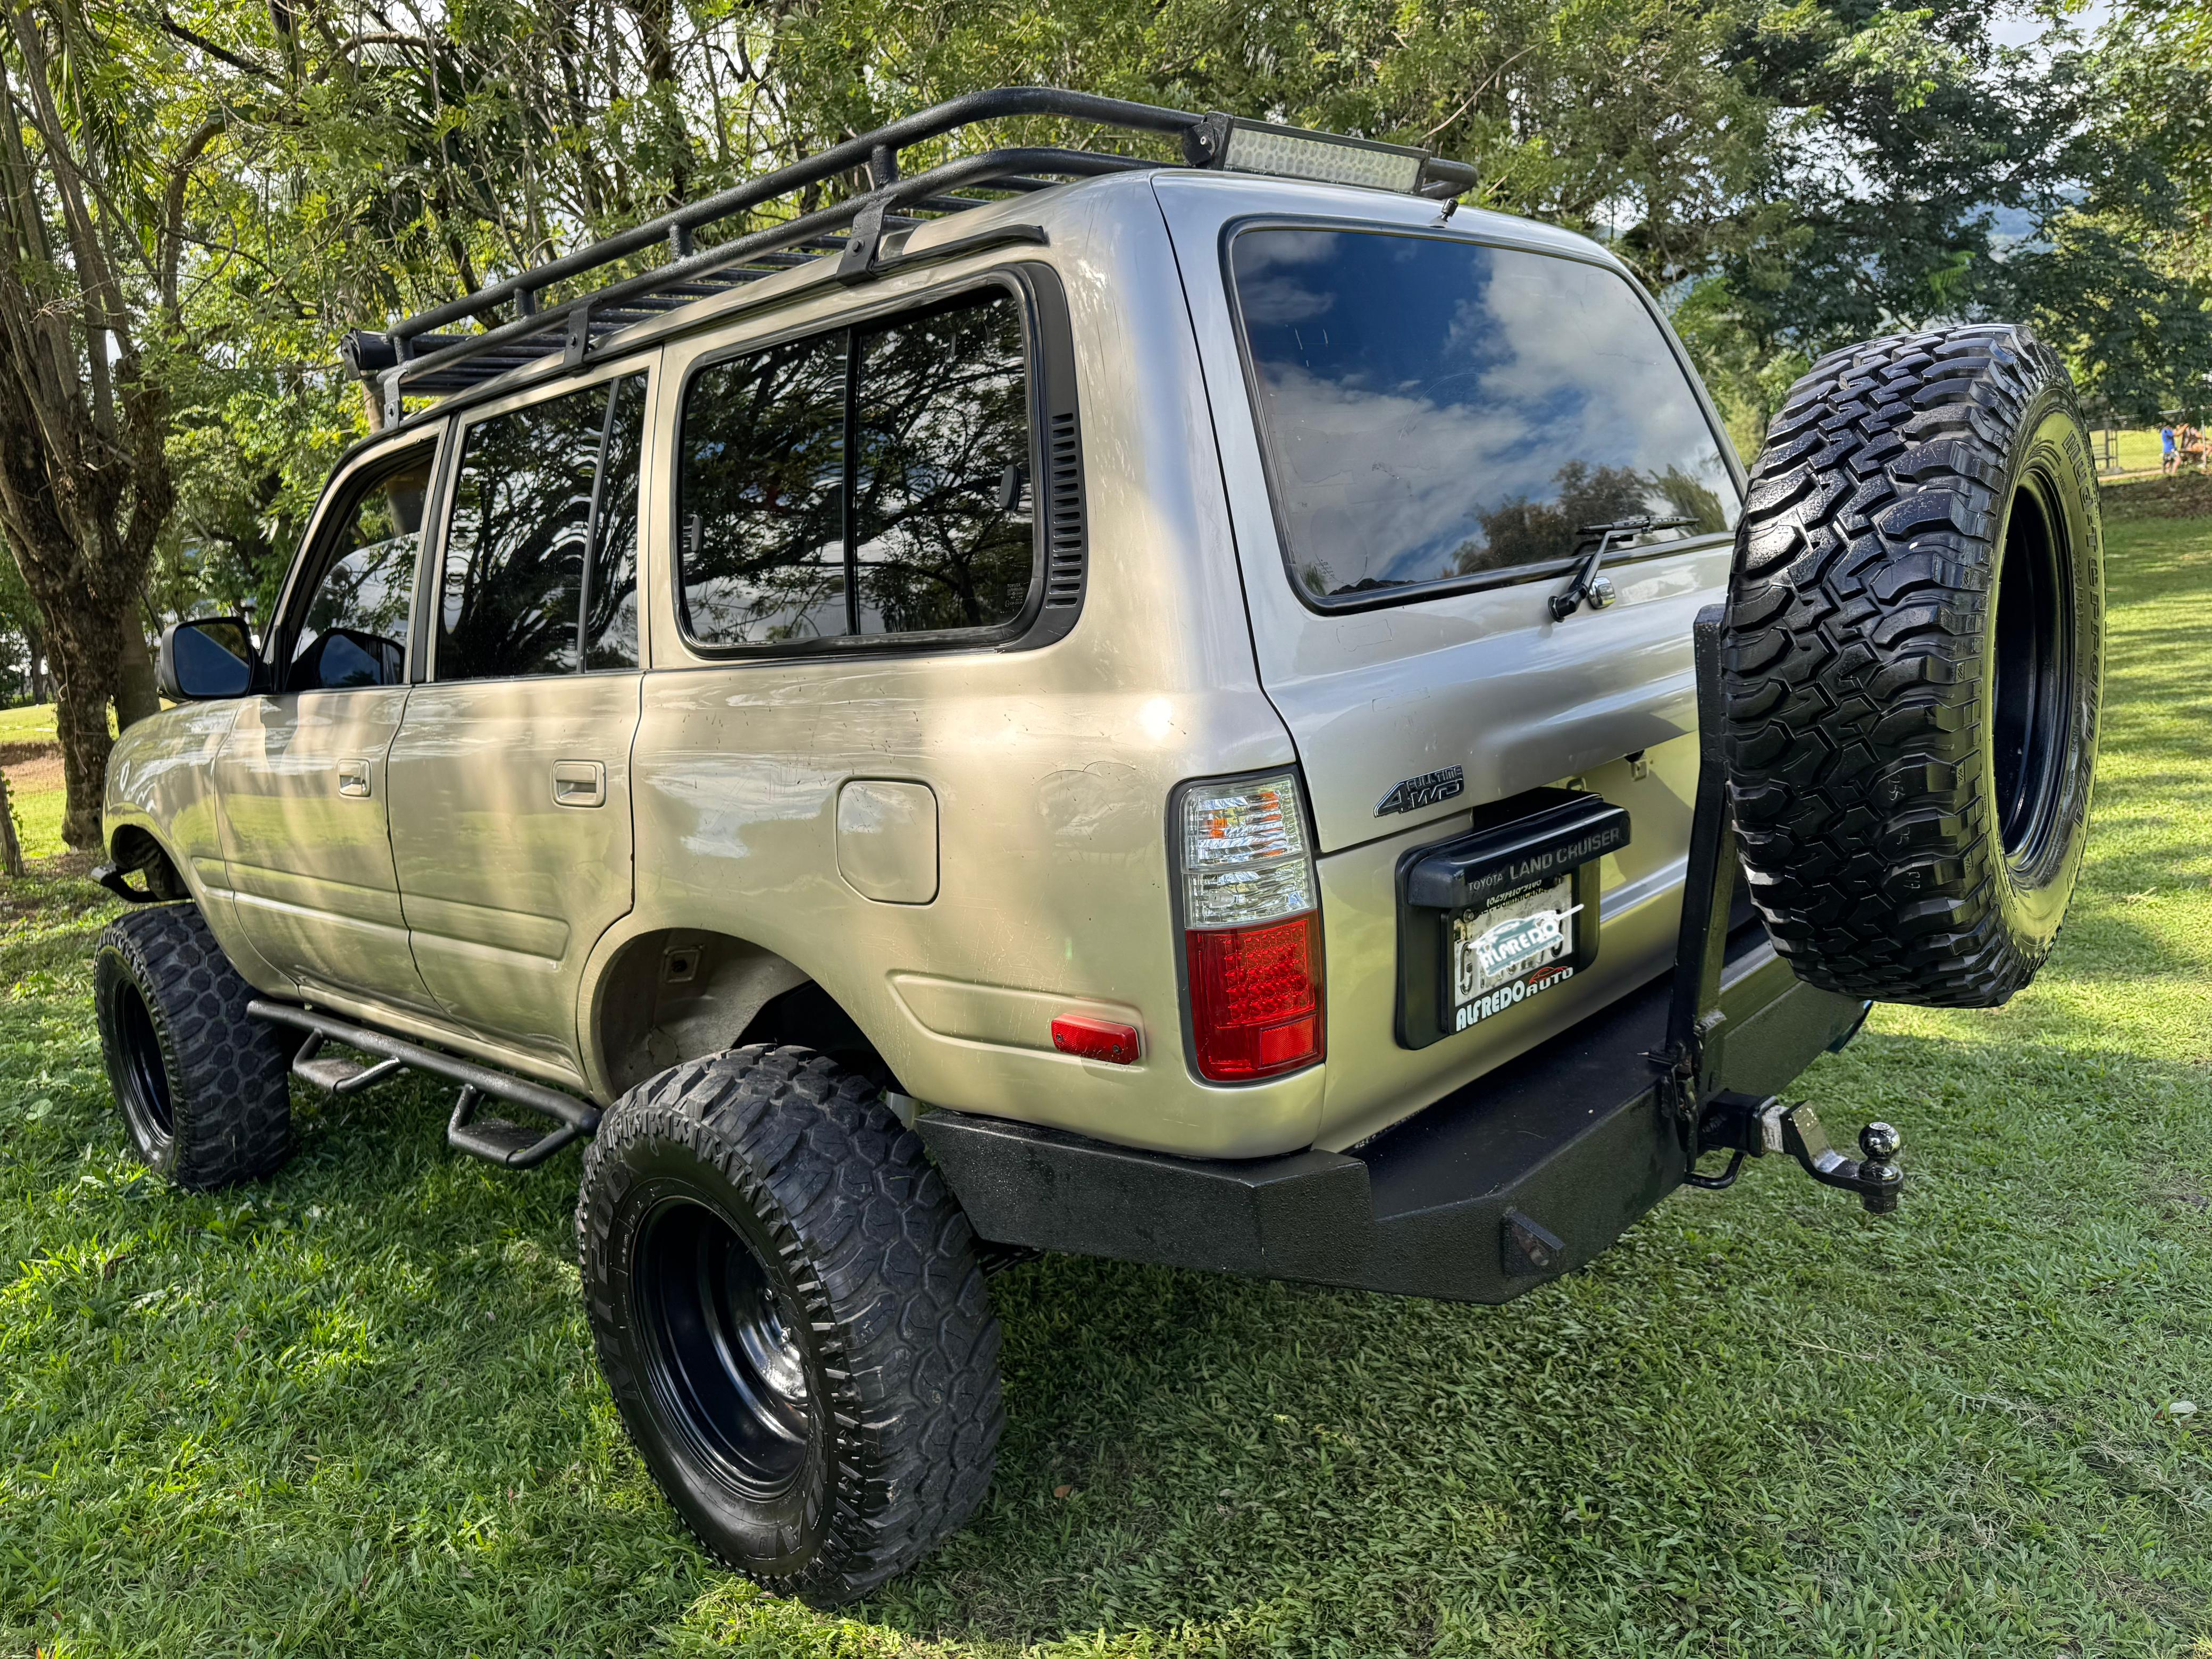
point(1586, 583)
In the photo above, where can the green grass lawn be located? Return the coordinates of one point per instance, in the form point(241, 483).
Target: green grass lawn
point(31, 722)
point(39, 821)
point(38, 811)
point(355, 1410)
point(2137, 448)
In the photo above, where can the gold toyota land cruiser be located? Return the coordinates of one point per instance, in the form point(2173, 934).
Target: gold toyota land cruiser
point(1202, 705)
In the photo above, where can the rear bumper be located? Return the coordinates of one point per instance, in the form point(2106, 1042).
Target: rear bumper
point(1570, 1135)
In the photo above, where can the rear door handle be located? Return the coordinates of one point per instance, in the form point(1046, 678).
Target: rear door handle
point(353, 778)
point(580, 783)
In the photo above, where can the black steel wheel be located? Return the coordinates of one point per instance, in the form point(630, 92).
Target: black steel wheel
point(205, 1088)
point(791, 1316)
point(2033, 666)
point(142, 1083)
point(1913, 666)
point(728, 1368)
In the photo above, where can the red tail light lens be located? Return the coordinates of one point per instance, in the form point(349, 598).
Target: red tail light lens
point(1255, 1006)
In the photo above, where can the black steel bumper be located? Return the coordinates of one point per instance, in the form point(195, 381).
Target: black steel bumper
point(1547, 1160)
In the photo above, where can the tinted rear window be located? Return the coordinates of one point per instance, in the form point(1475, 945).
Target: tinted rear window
point(1435, 409)
point(544, 522)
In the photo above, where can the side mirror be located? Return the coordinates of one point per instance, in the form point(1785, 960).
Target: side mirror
point(211, 658)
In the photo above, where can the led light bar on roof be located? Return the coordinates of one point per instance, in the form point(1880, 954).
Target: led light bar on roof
point(1294, 152)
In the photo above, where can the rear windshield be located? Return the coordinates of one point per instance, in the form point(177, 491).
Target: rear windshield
point(1435, 410)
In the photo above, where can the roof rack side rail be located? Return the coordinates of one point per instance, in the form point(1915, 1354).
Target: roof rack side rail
point(398, 371)
point(415, 357)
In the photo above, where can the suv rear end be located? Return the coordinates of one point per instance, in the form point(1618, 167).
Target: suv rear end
point(1262, 682)
point(1425, 423)
point(1412, 474)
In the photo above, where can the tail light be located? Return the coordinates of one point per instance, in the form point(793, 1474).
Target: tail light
point(1251, 928)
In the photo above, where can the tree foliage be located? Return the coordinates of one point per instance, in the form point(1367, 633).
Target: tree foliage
point(197, 200)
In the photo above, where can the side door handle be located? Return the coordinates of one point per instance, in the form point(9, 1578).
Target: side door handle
point(353, 778)
point(580, 783)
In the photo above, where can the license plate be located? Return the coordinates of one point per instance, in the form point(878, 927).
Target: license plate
point(1520, 943)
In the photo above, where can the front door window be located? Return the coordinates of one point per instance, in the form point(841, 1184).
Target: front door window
point(353, 631)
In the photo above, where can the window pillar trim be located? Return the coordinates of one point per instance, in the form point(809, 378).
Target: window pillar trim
point(592, 528)
point(848, 483)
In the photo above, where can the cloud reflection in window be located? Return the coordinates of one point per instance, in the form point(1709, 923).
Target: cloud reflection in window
point(1435, 408)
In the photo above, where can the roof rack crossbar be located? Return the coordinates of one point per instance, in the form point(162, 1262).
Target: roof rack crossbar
point(968, 170)
point(1003, 103)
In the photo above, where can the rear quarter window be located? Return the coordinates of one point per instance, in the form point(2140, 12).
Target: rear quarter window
point(866, 483)
point(1436, 411)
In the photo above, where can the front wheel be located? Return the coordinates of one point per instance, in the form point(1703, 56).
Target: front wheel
point(791, 1316)
point(205, 1088)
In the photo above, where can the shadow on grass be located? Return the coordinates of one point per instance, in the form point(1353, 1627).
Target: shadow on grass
point(356, 1405)
point(1763, 1408)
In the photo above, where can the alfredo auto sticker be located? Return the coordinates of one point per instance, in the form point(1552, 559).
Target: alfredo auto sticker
point(1510, 950)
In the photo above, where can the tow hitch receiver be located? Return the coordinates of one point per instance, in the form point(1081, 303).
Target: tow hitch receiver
point(1874, 1177)
point(1743, 1124)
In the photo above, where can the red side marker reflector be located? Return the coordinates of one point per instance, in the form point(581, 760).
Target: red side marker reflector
point(1095, 1039)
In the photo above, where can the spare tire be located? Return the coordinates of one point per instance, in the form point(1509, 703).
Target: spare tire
point(1912, 663)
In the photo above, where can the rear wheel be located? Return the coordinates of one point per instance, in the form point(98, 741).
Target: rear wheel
point(790, 1314)
point(205, 1087)
point(1913, 666)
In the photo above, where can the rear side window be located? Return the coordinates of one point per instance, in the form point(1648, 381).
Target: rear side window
point(762, 483)
point(541, 547)
point(1435, 410)
point(872, 481)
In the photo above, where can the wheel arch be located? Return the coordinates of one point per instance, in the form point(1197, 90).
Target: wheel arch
point(136, 845)
point(659, 995)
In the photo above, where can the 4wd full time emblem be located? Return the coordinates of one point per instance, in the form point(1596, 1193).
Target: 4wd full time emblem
point(1426, 790)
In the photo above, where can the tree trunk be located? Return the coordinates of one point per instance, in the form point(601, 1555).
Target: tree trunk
point(85, 485)
point(77, 631)
point(11, 846)
point(135, 695)
point(84, 684)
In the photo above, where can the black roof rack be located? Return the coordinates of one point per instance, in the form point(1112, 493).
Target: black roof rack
point(413, 358)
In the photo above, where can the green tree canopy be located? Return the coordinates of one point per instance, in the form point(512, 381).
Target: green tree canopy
point(207, 195)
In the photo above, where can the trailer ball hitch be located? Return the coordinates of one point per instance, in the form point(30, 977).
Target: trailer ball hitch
point(1744, 1124)
point(1874, 1177)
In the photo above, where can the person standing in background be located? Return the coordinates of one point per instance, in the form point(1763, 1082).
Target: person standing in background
point(2168, 461)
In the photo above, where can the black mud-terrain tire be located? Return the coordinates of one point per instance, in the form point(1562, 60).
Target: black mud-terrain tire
point(1912, 666)
point(790, 1313)
point(205, 1088)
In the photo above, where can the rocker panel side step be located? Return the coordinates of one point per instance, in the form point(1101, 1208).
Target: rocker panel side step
point(494, 1140)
